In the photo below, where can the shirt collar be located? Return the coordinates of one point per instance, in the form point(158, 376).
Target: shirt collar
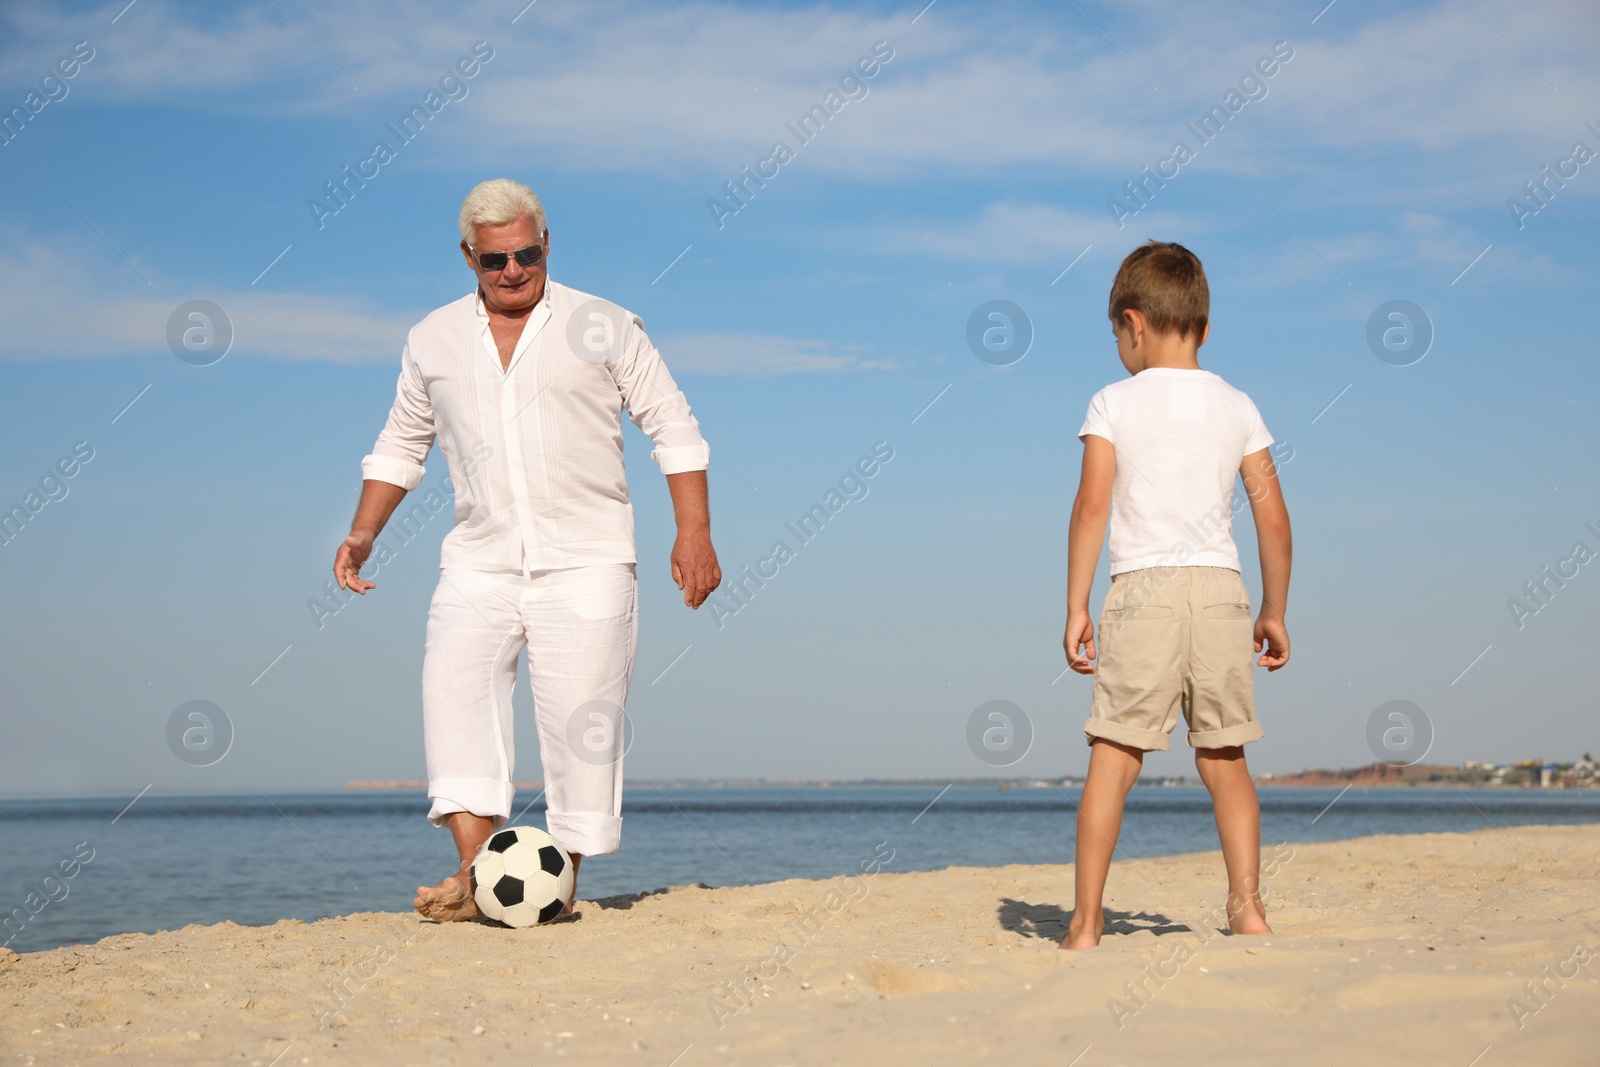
point(538, 318)
point(541, 309)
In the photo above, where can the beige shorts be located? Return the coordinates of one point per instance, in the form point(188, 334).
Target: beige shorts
point(1171, 639)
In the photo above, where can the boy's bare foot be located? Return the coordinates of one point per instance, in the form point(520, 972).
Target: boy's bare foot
point(449, 901)
point(1249, 921)
point(1082, 934)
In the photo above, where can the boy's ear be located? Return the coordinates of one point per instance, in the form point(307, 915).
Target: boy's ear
point(1135, 325)
point(1206, 332)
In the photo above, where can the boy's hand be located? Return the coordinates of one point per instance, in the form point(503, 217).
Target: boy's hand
point(1080, 634)
point(1271, 632)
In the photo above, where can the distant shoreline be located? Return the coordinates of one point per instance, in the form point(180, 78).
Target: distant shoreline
point(1379, 776)
point(1418, 777)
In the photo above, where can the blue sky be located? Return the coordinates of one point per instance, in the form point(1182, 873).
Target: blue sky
point(978, 163)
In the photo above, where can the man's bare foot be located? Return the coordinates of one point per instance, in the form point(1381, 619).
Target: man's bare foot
point(449, 901)
point(1082, 934)
point(570, 911)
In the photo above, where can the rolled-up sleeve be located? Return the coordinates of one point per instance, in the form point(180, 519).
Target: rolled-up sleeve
point(656, 405)
point(403, 444)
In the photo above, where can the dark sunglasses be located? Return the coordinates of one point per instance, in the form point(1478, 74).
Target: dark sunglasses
point(526, 257)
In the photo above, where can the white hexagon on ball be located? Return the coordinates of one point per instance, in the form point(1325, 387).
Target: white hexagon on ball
point(521, 877)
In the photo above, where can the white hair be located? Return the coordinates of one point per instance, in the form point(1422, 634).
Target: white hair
point(497, 202)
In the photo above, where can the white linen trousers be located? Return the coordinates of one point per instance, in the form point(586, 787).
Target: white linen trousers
point(579, 626)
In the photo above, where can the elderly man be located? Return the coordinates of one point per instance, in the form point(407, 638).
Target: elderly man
point(523, 383)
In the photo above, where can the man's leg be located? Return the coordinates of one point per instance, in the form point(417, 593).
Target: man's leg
point(582, 627)
point(1238, 813)
point(452, 898)
point(1113, 768)
point(470, 666)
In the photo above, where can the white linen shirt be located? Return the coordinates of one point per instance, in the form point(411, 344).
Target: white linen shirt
point(534, 451)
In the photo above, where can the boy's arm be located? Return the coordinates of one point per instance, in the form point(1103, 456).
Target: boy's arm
point(1277, 553)
point(1085, 536)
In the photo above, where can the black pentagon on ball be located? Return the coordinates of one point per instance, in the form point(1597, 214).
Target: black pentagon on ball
point(551, 860)
point(551, 910)
point(508, 891)
point(502, 841)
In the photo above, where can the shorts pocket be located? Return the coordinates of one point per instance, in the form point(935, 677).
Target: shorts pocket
point(1225, 611)
point(1137, 612)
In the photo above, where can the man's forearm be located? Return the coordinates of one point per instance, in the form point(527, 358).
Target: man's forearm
point(691, 501)
point(694, 561)
point(378, 501)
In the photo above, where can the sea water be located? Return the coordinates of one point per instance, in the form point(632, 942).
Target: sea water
point(168, 861)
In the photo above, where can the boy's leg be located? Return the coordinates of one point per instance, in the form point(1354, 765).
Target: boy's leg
point(1238, 814)
point(1220, 703)
point(1113, 768)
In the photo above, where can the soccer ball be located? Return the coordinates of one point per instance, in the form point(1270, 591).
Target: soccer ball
point(521, 877)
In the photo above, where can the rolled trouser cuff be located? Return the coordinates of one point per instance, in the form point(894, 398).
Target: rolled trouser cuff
point(488, 798)
point(1123, 734)
point(1238, 734)
point(588, 833)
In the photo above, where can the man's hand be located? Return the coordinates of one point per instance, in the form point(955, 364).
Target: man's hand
point(378, 501)
point(347, 562)
point(1274, 635)
point(694, 566)
point(1080, 634)
point(694, 561)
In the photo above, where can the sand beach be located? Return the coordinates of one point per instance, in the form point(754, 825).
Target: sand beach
point(1479, 948)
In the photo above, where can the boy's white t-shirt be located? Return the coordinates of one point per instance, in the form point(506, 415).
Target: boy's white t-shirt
point(1180, 437)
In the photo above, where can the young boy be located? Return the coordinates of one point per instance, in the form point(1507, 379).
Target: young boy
point(1159, 455)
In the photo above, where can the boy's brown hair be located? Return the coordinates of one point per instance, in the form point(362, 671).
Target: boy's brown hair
point(1166, 283)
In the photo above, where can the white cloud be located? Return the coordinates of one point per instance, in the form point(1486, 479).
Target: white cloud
point(43, 318)
point(1013, 232)
point(760, 355)
point(1426, 249)
point(51, 313)
point(613, 86)
point(1407, 111)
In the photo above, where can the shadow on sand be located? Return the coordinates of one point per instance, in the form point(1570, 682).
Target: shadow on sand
point(1049, 921)
point(626, 901)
